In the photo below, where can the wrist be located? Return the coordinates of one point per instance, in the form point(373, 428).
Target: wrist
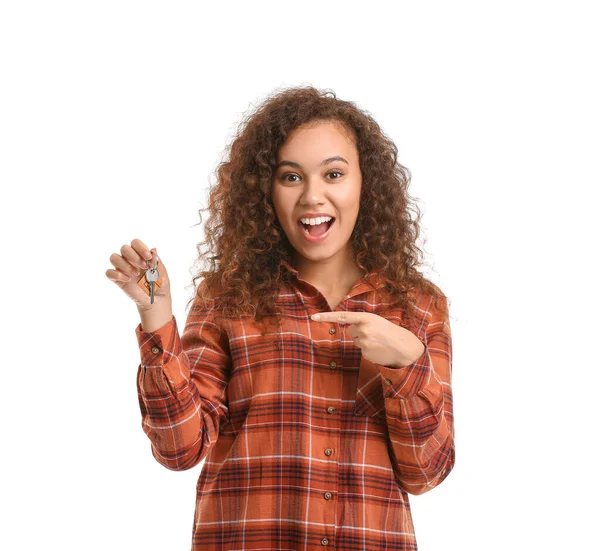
point(156, 317)
point(409, 359)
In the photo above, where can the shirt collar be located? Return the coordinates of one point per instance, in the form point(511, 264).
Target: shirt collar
point(373, 279)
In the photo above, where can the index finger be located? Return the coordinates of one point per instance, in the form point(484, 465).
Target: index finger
point(341, 317)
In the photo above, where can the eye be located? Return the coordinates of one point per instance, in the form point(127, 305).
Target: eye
point(291, 174)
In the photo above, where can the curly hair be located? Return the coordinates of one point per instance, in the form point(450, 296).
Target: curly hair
point(246, 242)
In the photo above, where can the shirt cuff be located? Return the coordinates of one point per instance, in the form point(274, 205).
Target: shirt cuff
point(405, 382)
point(377, 382)
point(156, 347)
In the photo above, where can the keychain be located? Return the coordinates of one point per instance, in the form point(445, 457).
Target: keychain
point(149, 279)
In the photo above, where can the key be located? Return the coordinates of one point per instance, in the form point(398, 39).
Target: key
point(152, 278)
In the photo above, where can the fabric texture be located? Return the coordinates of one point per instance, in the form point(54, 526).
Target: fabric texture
point(306, 444)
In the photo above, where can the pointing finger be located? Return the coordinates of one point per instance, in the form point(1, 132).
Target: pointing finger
point(341, 317)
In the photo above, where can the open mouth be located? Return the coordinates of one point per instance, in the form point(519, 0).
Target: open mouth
point(318, 229)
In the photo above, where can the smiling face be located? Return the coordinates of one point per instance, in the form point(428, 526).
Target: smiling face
point(318, 173)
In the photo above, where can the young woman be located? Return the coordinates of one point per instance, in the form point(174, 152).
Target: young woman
point(314, 370)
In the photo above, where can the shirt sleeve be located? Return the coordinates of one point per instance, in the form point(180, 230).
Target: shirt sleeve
point(181, 384)
point(419, 409)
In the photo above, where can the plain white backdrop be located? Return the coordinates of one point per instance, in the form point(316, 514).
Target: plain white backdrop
point(113, 116)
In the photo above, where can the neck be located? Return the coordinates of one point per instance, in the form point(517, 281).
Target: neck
point(330, 274)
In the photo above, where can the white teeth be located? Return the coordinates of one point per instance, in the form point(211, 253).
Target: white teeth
point(315, 221)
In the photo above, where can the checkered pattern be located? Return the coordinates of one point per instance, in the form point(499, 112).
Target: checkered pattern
point(306, 445)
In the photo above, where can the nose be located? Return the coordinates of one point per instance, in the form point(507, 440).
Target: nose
point(313, 191)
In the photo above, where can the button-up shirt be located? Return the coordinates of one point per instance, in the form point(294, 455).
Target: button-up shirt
point(306, 444)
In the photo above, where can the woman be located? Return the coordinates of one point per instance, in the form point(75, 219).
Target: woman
point(314, 428)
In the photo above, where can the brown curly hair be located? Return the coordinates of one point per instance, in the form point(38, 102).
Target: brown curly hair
point(246, 242)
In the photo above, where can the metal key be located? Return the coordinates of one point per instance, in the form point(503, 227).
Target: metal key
point(151, 278)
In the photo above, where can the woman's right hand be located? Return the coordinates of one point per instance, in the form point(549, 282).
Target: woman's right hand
point(133, 261)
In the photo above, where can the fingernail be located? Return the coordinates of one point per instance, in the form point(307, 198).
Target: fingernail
point(315, 317)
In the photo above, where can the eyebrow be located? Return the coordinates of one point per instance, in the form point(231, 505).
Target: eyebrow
point(325, 162)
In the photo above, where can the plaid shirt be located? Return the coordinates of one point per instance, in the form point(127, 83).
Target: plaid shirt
point(307, 445)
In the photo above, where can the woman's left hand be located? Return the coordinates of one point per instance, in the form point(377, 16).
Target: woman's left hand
point(380, 340)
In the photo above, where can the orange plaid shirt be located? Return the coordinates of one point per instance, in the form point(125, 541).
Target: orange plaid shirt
point(309, 446)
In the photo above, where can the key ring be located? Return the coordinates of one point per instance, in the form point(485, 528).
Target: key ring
point(150, 267)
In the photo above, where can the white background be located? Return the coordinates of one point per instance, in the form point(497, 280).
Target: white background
point(113, 116)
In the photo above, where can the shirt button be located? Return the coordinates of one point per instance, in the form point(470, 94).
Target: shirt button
point(330, 409)
point(327, 495)
point(332, 365)
point(388, 381)
point(324, 541)
point(155, 350)
point(328, 451)
point(332, 330)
